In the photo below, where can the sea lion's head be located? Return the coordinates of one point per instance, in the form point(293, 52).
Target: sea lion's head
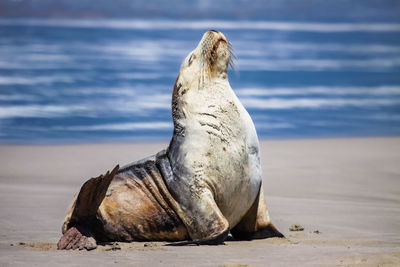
point(205, 68)
point(207, 62)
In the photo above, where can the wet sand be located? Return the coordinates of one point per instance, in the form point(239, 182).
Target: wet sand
point(344, 192)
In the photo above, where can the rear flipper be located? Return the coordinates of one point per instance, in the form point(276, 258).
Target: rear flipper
point(77, 238)
point(76, 229)
point(91, 195)
point(256, 224)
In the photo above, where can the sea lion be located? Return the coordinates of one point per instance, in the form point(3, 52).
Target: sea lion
point(206, 184)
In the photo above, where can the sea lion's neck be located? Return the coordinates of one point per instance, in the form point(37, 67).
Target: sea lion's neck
point(201, 97)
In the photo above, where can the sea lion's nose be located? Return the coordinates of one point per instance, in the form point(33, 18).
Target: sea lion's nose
point(216, 34)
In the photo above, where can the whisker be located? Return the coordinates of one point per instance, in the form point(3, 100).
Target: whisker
point(231, 50)
point(233, 57)
point(233, 66)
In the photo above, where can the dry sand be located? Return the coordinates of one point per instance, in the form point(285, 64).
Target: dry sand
point(344, 192)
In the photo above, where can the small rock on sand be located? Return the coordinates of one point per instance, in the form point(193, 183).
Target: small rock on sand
point(113, 247)
point(296, 227)
point(150, 244)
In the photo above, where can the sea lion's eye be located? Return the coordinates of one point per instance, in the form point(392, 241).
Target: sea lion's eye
point(190, 59)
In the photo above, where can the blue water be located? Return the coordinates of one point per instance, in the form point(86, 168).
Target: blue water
point(79, 81)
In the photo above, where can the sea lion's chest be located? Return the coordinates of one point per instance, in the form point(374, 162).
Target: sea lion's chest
point(220, 145)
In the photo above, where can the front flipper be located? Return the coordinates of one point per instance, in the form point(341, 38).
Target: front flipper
point(203, 220)
point(256, 224)
point(196, 207)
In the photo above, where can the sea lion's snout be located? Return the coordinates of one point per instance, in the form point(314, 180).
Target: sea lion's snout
point(215, 50)
point(209, 60)
point(212, 37)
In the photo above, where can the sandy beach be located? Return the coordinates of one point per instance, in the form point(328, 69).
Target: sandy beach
point(344, 192)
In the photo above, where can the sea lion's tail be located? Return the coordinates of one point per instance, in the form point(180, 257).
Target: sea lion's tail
point(90, 196)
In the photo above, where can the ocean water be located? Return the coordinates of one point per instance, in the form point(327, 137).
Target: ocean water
point(88, 81)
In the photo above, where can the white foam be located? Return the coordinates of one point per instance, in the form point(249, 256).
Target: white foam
point(44, 111)
point(321, 90)
point(281, 103)
point(144, 75)
point(18, 97)
point(258, 47)
point(111, 92)
point(273, 125)
point(127, 101)
point(207, 24)
point(144, 104)
point(144, 49)
point(318, 64)
point(17, 80)
point(159, 101)
point(385, 117)
point(156, 125)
